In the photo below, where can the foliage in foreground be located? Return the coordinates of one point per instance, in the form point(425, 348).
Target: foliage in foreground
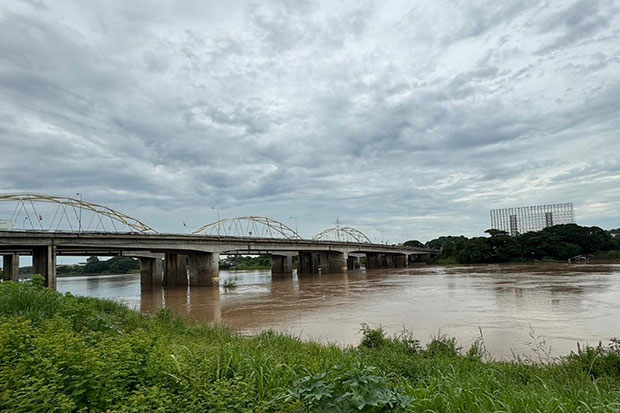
point(65, 353)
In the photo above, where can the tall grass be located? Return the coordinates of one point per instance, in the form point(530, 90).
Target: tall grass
point(65, 353)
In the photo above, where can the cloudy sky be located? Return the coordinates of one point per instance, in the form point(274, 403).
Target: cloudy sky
point(413, 118)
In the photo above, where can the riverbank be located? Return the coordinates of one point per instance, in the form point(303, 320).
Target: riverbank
point(62, 352)
point(249, 267)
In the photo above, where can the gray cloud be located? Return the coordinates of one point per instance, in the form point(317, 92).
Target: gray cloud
point(411, 119)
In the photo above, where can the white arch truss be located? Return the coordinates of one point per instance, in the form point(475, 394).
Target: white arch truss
point(253, 227)
point(36, 212)
point(342, 234)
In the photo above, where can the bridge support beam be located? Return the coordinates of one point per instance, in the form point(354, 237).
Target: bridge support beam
point(400, 261)
point(281, 265)
point(44, 263)
point(10, 267)
point(151, 272)
point(307, 263)
point(204, 269)
point(175, 270)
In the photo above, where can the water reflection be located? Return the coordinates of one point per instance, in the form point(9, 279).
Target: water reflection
point(201, 304)
point(564, 303)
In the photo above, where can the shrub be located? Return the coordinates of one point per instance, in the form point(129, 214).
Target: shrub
point(372, 337)
point(599, 361)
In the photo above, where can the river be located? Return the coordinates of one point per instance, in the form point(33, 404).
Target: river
point(517, 308)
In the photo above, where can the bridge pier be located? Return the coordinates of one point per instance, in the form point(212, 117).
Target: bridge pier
point(332, 262)
point(10, 267)
point(151, 272)
point(307, 263)
point(281, 265)
point(353, 263)
point(204, 269)
point(175, 270)
point(44, 263)
point(372, 261)
point(400, 261)
point(337, 262)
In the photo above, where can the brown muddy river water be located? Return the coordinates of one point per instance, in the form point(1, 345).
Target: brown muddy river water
point(559, 303)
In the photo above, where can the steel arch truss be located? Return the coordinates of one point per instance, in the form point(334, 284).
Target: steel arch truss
point(34, 212)
point(253, 227)
point(342, 234)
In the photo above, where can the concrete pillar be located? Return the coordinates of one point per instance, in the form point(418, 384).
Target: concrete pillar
point(323, 262)
point(44, 263)
point(400, 261)
point(204, 269)
point(175, 270)
point(372, 261)
point(281, 265)
point(383, 263)
point(10, 267)
point(353, 263)
point(307, 263)
point(151, 272)
point(337, 262)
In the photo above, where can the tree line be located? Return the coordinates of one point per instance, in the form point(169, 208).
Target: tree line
point(558, 242)
point(114, 265)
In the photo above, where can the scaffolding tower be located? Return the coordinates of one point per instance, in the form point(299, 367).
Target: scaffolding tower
point(519, 220)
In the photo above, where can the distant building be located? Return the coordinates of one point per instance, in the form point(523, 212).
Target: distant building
point(532, 218)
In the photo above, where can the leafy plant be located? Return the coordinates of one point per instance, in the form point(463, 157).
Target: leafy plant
point(342, 389)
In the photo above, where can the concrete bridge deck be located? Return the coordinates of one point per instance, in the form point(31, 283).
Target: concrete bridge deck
point(164, 257)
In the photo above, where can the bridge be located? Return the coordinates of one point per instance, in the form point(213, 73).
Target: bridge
point(52, 226)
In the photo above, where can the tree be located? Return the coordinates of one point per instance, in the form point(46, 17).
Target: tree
point(496, 232)
point(122, 265)
point(413, 243)
point(92, 259)
point(476, 250)
point(505, 248)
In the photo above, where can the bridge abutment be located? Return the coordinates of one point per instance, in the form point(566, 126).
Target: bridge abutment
point(44, 263)
point(10, 267)
point(204, 269)
point(175, 270)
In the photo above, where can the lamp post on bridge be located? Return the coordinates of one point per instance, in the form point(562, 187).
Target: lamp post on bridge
point(218, 219)
point(80, 217)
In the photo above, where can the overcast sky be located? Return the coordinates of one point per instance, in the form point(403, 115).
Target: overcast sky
point(413, 118)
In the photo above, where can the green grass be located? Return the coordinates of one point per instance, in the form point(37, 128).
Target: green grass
point(65, 353)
